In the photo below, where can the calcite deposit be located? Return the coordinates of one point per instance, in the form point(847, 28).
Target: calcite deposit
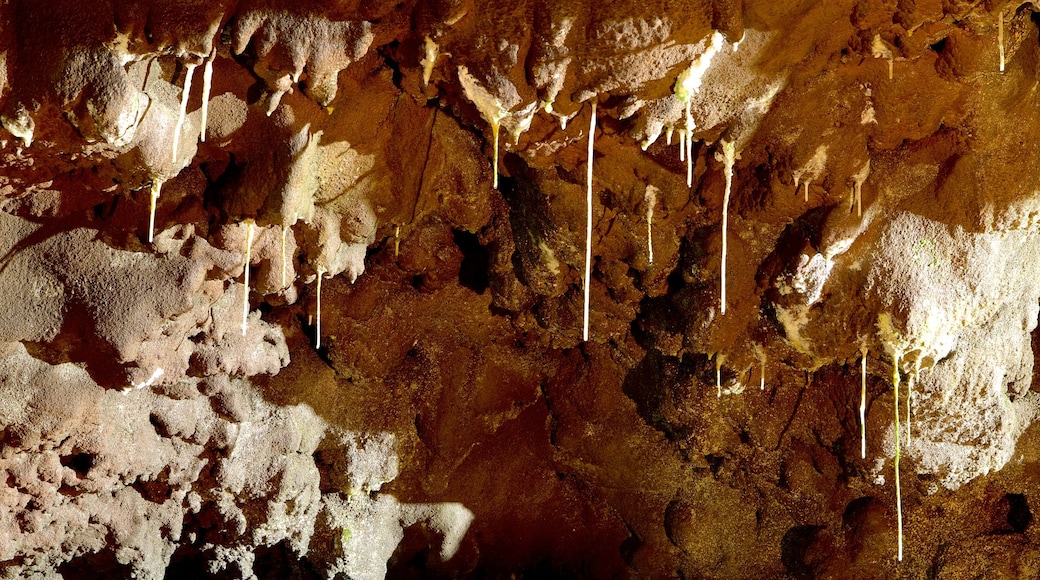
point(529, 288)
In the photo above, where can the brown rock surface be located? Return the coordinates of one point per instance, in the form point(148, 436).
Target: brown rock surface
point(161, 418)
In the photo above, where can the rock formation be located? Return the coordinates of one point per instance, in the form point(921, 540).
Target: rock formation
point(777, 188)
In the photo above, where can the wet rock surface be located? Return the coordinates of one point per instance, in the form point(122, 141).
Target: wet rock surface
point(344, 352)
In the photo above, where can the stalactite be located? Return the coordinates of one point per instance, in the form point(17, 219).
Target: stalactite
point(650, 198)
point(154, 196)
point(245, 269)
point(881, 49)
point(397, 241)
point(762, 357)
point(285, 231)
point(909, 393)
point(689, 146)
point(650, 139)
point(207, 85)
point(1000, 37)
point(899, 496)
point(190, 72)
point(430, 60)
point(686, 85)
point(857, 187)
point(863, 403)
point(490, 109)
point(317, 312)
point(588, 222)
point(719, 358)
point(495, 125)
point(728, 158)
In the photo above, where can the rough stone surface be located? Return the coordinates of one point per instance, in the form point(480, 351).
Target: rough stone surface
point(162, 418)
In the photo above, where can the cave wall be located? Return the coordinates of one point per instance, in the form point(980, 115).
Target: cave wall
point(351, 344)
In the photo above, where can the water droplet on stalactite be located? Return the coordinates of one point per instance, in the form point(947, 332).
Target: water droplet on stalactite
point(863, 403)
point(190, 71)
point(729, 155)
point(245, 269)
point(154, 196)
point(207, 84)
point(317, 312)
point(588, 223)
point(650, 198)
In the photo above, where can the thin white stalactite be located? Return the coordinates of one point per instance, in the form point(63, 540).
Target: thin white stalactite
point(650, 197)
point(207, 85)
point(718, 374)
point(762, 379)
point(909, 393)
point(285, 231)
point(588, 222)
point(682, 145)
point(494, 135)
point(1000, 38)
point(863, 403)
point(190, 72)
point(317, 313)
point(397, 241)
point(728, 158)
point(689, 146)
point(154, 195)
point(245, 269)
point(899, 496)
point(881, 49)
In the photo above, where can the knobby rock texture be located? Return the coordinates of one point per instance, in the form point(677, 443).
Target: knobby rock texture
point(402, 388)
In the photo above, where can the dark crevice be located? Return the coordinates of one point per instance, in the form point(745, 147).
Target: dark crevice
point(81, 463)
point(1019, 515)
point(474, 271)
point(796, 550)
